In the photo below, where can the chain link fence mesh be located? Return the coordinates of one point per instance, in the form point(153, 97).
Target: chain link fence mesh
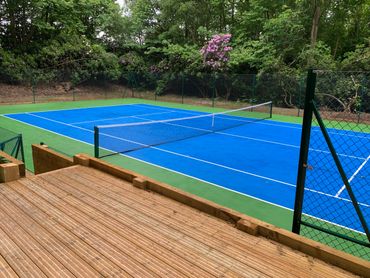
point(222, 90)
point(11, 143)
point(343, 102)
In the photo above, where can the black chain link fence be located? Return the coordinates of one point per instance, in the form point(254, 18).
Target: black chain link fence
point(218, 90)
point(336, 203)
point(221, 89)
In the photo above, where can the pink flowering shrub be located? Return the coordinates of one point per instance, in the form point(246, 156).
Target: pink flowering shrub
point(216, 52)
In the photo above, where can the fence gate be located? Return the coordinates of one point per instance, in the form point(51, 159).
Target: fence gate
point(333, 186)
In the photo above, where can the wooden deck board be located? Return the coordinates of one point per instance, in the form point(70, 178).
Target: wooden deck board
point(85, 223)
point(54, 207)
point(59, 250)
point(102, 264)
point(128, 224)
point(17, 259)
point(6, 270)
point(165, 227)
point(41, 257)
point(231, 238)
point(200, 236)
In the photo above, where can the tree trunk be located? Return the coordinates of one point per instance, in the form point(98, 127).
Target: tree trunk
point(315, 25)
point(336, 48)
point(232, 12)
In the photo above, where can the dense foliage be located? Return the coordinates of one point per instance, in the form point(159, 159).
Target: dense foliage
point(77, 40)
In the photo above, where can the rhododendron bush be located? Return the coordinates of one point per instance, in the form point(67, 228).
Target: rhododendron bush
point(216, 52)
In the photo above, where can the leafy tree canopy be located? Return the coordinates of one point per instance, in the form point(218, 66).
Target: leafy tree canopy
point(99, 39)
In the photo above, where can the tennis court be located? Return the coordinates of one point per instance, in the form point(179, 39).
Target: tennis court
point(242, 151)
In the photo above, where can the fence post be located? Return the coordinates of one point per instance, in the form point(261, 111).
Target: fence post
point(362, 93)
point(301, 84)
point(213, 90)
point(33, 88)
point(182, 88)
point(21, 147)
point(96, 142)
point(253, 87)
point(105, 86)
point(303, 155)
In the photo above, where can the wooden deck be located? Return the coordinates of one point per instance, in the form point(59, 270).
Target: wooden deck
point(81, 222)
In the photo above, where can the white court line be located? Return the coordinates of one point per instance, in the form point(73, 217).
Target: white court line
point(288, 125)
point(183, 174)
point(74, 108)
point(353, 176)
point(200, 160)
point(248, 138)
point(122, 117)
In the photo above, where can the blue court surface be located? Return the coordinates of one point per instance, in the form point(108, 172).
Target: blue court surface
point(257, 159)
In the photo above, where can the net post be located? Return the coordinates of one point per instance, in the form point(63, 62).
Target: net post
point(96, 141)
point(303, 155)
point(270, 109)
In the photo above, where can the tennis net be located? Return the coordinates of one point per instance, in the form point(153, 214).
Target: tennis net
point(123, 138)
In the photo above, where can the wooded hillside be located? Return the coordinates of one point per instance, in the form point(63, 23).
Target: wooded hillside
point(77, 40)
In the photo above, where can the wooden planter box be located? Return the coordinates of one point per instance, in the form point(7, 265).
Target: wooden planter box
point(9, 172)
point(12, 170)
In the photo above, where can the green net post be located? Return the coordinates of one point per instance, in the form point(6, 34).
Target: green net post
point(96, 142)
point(271, 110)
point(303, 155)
